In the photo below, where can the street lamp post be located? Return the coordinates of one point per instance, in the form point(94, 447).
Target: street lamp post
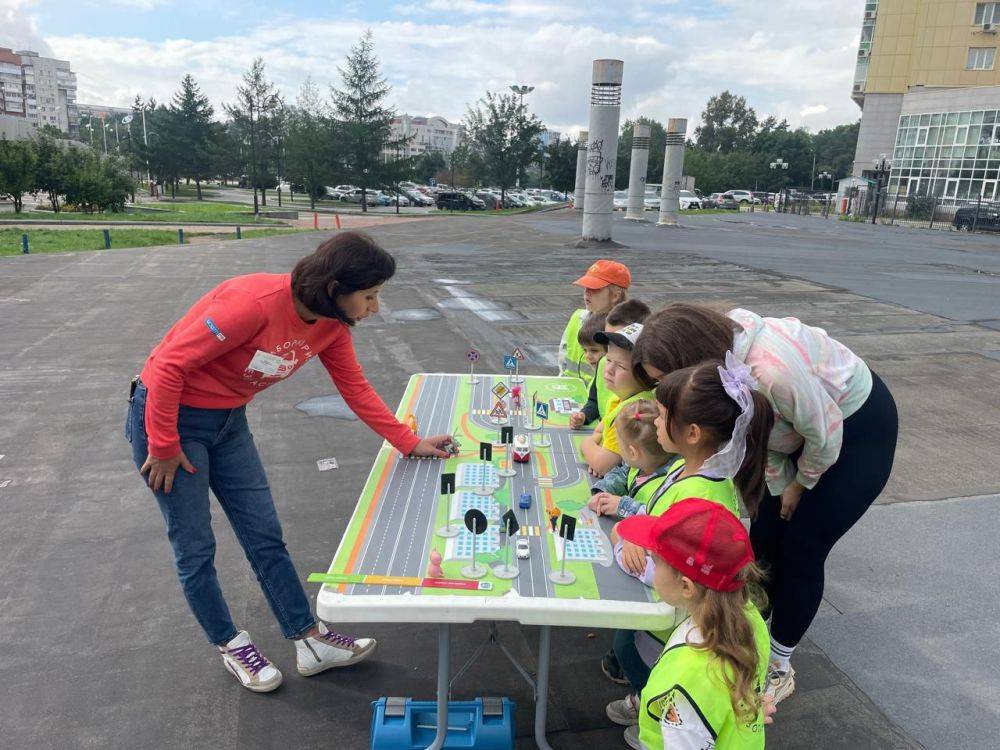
point(520, 91)
point(781, 164)
point(826, 176)
point(883, 166)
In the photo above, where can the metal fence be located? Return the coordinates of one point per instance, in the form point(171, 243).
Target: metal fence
point(931, 212)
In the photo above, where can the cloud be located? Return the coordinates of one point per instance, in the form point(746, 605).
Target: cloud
point(789, 59)
point(19, 26)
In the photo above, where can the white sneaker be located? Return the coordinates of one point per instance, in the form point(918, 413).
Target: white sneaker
point(625, 711)
point(329, 650)
point(780, 682)
point(632, 737)
point(249, 666)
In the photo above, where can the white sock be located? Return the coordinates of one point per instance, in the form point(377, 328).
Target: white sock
point(781, 655)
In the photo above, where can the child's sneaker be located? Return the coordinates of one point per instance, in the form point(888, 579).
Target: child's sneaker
point(632, 737)
point(612, 669)
point(249, 666)
point(780, 682)
point(329, 650)
point(625, 711)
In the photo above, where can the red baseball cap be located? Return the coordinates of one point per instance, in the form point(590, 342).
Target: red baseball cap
point(603, 272)
point(701, 539)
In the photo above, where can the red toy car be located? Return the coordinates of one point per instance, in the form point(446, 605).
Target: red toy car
point(521, 449)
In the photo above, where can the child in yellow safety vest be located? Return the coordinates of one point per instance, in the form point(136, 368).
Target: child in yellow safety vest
point(715, 419)
point(604, 286)
point(705, 688)
point(601, 450)
point(629, 311)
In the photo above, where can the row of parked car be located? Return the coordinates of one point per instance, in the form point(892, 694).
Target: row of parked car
point(442, 196)
point(694, 200)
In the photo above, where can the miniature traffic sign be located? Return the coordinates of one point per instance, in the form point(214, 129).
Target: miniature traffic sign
point(510, 528)
point(486, 451)
point(534, 405)
point(485, 455)
point(509, 362)
point(475, 522)
point(473, 356)
point(499, 412)
point(448, 488)
point(542, 412)
point(567, 530)
point(518, 355)
point(506, 438)
point(500, 390)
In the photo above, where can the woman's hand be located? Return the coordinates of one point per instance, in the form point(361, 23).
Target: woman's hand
point(432, 447)
point(633, 558)
point(162, 470)
point(790, 500)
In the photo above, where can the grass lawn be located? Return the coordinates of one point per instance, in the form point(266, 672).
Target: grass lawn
point(62, 240)
point(171, 212)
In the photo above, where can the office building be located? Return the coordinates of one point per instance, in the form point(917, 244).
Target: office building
point(929, 88)
point(37, 90)
point(427, 134)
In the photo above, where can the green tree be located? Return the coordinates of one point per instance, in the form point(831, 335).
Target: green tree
point(503, 137)
point(51, 165)
point(460, 161)
point(427, 165)
point(308, 157)
point(257, 110)
point(727, 124)
point(191, 116)
point(17, 170)
point(364, 118)
point(835, 149)
point(560, 164)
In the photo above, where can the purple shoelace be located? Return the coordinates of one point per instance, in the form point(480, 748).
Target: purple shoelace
point(250, 658)
point(337, 639)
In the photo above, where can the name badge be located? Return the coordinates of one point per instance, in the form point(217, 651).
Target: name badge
point(265, 363)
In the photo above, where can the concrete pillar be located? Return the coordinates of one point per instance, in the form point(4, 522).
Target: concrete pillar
point(602, 149)
point(581, 172)
point(637, 173)
point(673, 170)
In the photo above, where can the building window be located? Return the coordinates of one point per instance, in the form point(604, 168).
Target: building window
point(986, 13)
point(981, 58)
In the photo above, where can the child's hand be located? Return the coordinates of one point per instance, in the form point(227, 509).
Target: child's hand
point(633, 558)
point(604, 503)
point(594, 473)
point(576, 420)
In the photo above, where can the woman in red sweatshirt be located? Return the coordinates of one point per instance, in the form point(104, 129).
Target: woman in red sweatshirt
point(188, 429)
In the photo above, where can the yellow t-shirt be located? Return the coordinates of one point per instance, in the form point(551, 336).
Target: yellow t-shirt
point(609, 438)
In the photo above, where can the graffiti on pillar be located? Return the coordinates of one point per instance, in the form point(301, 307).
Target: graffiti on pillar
point(595, 158)
point(608, 182)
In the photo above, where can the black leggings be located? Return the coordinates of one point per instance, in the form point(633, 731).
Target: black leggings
point(794, 552)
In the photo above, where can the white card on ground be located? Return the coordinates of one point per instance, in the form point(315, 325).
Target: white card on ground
point(265, 363)
point(325, 464)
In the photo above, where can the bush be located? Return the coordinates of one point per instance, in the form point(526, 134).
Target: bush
point(920, 207)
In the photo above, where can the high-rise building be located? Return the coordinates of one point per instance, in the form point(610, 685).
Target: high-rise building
point(427, 134)
point(41, 90)
point(929, 88)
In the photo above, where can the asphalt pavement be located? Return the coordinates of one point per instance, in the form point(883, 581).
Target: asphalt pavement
point(98, 649)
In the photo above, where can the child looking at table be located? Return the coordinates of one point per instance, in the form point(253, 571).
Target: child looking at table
point(604, 285)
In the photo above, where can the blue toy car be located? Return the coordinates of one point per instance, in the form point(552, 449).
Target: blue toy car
point(525, 501)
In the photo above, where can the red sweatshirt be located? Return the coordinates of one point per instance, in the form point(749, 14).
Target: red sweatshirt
point(237, 340)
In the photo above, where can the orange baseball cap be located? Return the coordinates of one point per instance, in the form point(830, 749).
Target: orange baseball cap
point(604, 272)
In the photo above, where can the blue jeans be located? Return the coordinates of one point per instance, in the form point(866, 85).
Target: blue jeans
point(219, 445)
point(631, 662)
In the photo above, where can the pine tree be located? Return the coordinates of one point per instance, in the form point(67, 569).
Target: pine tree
point(258, 114)
point(365, 121)
point(192, 129)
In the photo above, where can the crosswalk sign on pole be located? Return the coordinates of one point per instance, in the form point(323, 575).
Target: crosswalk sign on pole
point(509, 362)
point(542, 410)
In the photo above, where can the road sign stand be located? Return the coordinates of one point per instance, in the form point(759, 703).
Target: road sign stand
point(534, 403)
point(447, 488)
point(476, 523)
point(473, 356)
point(510, 527)
point(518, 355)
point(567, 530)
point(507, 437)
point(486, 456)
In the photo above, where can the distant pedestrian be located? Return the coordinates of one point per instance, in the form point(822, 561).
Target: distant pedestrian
point(187, 411)
point(830, 452)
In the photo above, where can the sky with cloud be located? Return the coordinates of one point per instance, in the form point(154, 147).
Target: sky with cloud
point(790, 58)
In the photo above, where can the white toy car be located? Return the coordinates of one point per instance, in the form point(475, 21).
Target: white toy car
point(521, 450)
point(523, 550)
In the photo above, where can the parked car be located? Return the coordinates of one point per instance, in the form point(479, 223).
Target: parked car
point(522, 550)
point(525, 502)
point(491, 201)
point(743, 197)
point(390, 199)
point(715, 200)
point(651, 202)
point(455, 201)
point(333, 194)
point(418, 199)
point(965, 218)
point(621, 200)
point(370, 197)
point(688, 200)
point(728, 202)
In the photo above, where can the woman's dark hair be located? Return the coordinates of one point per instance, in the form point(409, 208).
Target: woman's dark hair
point(342, 265)
point(695, 395)
point(629, 311)
point(591, 325)
point(681, 335)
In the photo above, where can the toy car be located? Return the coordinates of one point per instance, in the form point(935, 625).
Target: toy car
point(525, 501)
point(521, 449)
point(522, 550)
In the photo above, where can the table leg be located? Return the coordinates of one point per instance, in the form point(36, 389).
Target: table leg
point(444, 647)
point(542, 687)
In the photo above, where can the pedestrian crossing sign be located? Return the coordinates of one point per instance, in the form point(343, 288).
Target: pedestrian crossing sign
point(542, 410)
point(509, 362)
